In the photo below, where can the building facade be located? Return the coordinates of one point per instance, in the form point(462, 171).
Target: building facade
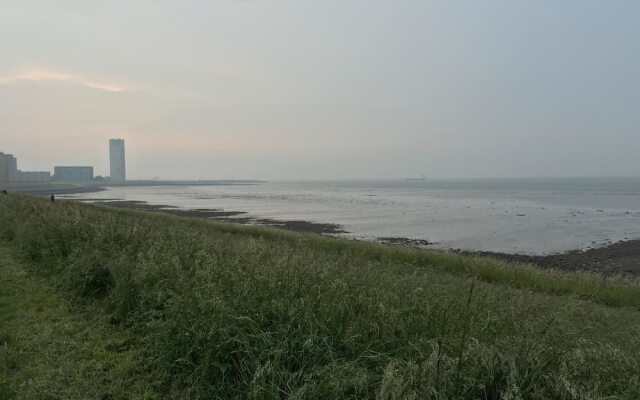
point(72, 174)
point(33, 176)
point(8, 167)
point(117, 160)
point(4, 172)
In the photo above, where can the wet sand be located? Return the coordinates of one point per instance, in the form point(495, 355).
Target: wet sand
point(238, 217)
point(622, 258)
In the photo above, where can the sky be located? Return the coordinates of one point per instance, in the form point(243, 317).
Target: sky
point(323, 89)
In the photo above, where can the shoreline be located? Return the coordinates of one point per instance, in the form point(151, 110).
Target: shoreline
point(62, 188)
point(40, 190)
point(615, 259)
point(620, 258)
point(238, 217)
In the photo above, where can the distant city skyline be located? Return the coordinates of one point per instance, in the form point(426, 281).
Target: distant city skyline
point(302, 89)
point(9, 171)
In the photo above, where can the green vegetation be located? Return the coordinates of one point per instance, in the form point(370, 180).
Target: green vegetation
point(51, 349)
point(226, 311)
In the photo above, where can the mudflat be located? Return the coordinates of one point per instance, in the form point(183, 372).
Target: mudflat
point(622, 258)
point(239, 217)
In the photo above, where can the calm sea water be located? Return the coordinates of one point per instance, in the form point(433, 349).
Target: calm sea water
point(528, 216)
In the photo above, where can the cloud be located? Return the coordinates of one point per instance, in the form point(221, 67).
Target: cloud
point(45, 75)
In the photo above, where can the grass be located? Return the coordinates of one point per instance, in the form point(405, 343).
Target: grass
point(225, 311)
point(53, 349)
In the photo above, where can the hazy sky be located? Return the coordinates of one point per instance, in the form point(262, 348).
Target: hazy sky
point(301, 89)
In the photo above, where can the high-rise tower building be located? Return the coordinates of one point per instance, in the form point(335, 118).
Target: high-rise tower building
point(116, 158)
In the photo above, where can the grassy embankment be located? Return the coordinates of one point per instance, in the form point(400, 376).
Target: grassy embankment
point(51, 348)
point(225, 311)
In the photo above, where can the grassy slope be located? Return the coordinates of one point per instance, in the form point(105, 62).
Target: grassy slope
point(51, 349)
point(227, 311)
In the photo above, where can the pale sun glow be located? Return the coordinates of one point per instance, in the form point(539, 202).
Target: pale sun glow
point(46, 75)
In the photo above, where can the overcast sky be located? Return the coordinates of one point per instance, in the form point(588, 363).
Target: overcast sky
point(323, 89)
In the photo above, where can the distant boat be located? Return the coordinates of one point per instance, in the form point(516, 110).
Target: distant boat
point(422, 178)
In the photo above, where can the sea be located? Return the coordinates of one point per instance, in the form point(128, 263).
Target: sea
point(520, 216)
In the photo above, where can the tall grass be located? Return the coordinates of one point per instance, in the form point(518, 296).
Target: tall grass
point(243, 312)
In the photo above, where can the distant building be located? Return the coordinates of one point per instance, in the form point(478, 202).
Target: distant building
point(8, 167)
point(4, 170)
point(9, 171)
point(33, 176)
point(72, 174)
point(117, 161)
